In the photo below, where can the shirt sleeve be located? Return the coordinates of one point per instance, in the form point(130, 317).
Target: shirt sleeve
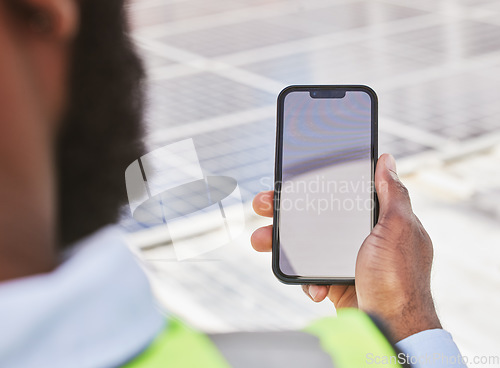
point(431, 349)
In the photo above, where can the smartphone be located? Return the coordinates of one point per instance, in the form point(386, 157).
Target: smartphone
point(325, 203)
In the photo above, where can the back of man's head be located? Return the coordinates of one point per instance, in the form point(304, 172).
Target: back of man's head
point(71, 102)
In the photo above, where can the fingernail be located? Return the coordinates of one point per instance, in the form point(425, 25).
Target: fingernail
point(313, 291)
point(390, 163)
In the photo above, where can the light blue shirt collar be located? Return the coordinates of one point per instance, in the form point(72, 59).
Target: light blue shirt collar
point(95, 310)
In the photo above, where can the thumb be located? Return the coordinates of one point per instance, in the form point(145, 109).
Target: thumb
point(392, 194)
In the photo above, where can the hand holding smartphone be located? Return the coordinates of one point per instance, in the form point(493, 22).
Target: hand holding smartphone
point(324, 200)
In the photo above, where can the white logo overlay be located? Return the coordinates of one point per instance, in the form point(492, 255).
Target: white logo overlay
point(168, 191)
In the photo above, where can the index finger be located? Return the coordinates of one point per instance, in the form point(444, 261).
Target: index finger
point(263, 203)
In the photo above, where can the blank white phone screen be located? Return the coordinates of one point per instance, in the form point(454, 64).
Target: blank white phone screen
point(326, 199)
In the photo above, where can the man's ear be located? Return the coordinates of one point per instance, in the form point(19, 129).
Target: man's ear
point(54, 18)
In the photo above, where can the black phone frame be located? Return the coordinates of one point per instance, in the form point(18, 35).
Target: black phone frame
point(287, 279)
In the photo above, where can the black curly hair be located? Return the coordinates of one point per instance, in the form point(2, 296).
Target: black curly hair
point(101, 133)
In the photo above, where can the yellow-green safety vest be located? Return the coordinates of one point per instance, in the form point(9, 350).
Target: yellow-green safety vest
point(351, 340)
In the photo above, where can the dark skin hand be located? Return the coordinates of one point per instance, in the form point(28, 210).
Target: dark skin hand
point(393, 266)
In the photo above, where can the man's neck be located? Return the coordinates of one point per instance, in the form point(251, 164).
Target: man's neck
point(27, 242)
point(17, 265)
